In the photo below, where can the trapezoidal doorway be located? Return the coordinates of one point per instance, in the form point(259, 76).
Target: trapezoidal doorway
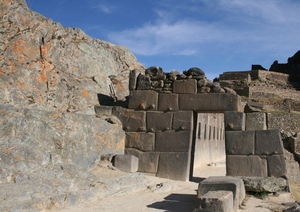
point(209, 142)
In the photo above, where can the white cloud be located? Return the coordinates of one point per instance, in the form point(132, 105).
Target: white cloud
point(239, 26)
point(104, 8)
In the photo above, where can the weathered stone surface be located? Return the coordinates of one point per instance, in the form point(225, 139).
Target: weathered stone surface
point(174, 165)
point(209, 102)
point(276, 166)
point(185, 86)
point(288, 122)
point(253, 165)
point(157, 120)
point(133, 79)
point(268, 142)
point(103, 110)
point(171, 141)
point(132, 121)
point(256, 121)
point(126, 163)
point(194, 71)
point(49, 154)
point(240, 142)
point(51, 137)
point(215, 183)
point(143, 82)
point(168, 102)
point(265, 184)
point(293, 171)
point(294, 144)
point(148, 161)
point(143, 100)
point(140, 140)
point(216, 201)
point(234, 120)
point(183, 120)
point(154, 71)
point(46, 66)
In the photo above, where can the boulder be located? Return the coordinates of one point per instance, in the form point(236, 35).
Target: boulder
point(49, 67)
point(194, 72)
point(265, 184)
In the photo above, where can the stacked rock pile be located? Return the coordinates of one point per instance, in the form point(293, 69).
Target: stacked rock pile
point(156, 79)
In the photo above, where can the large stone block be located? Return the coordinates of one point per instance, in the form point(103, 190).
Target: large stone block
point(174, 165)
point(256, 121)
point(143, 100)
point(209, 102)
point(234, 120)
point(148, 161)
point(268, 142)
point(126, 163)
point(140, 140)
point(183, 120)
point(103, 110)
point(276, 166)
point(157, 120)
point(215, 183)
point(240, 165)
point(221, 201)
point(171, 141)
point(133, 79)
point(168, 102)
point(185, 86)
point(240, 142)
point(132, 121)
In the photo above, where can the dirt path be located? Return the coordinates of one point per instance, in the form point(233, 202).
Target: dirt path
point(171, 196)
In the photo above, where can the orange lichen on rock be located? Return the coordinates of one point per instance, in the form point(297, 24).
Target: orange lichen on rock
point(85, 93)
point(45, 49)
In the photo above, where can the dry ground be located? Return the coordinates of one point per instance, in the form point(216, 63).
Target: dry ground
point(176, 196)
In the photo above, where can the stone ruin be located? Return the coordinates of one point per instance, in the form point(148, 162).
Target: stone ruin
point(175, 123)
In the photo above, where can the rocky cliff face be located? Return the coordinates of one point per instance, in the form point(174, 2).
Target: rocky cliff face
point(50, 79)
point(46, 66)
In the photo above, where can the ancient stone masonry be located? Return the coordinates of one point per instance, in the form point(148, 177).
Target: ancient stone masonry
point(251, 149)
point(264, 90)
point(160, 120)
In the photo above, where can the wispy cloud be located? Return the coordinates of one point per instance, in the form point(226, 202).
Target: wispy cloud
point(235, 25)
point(104, 8)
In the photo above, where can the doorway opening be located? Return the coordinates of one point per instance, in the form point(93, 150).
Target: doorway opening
point(208, 156)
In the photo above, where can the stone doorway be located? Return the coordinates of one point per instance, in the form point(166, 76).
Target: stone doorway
point(208, 148)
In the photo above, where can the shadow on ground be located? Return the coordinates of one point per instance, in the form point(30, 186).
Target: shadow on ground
point(176, 203)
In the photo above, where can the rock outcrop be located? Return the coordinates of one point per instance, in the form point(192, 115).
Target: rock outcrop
point(50, 138)
point(46, 66)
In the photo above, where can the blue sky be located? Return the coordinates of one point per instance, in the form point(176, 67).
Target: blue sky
point(214, 35)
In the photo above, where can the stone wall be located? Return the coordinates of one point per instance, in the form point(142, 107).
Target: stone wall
point(160, 126)
point(251, 149)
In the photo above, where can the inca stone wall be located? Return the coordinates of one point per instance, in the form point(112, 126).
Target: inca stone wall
point(166, 131)
point(160, 123)
point(251, 149)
